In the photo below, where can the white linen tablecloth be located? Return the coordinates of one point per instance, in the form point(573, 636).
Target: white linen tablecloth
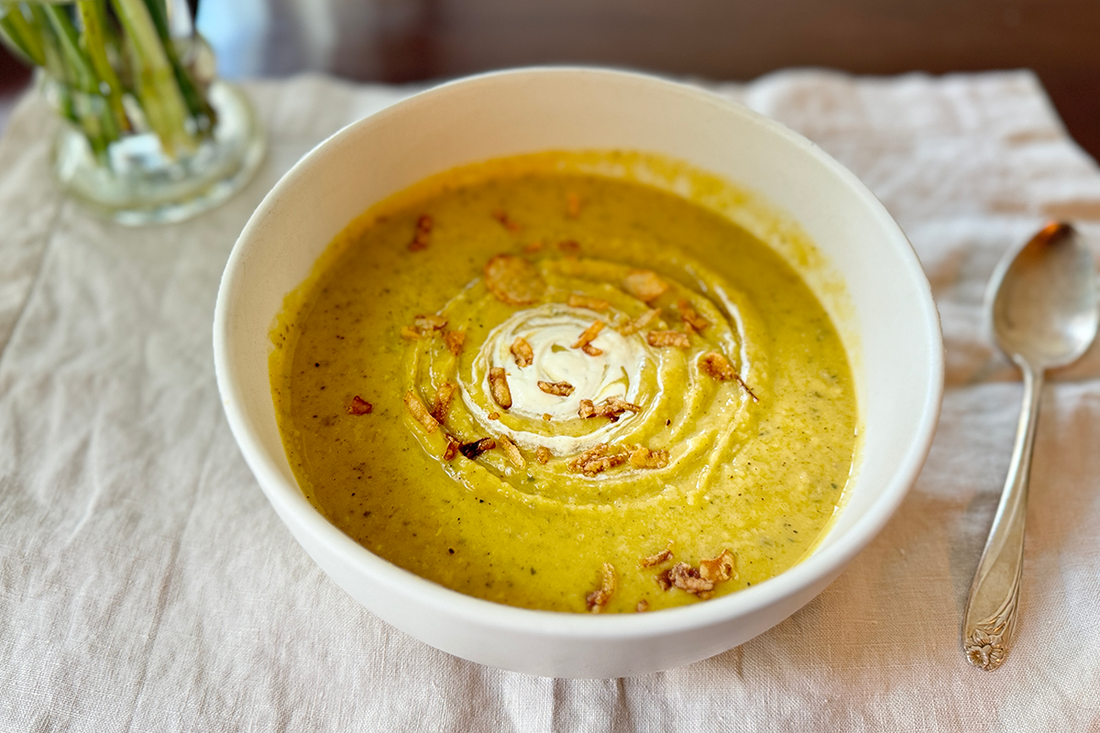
point(146, 585)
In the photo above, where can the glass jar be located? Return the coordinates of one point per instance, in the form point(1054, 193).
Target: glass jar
point(150, 134)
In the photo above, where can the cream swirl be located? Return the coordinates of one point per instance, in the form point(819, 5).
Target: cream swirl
point(550, 329)
point(651, 352)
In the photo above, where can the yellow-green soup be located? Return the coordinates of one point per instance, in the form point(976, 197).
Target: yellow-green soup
point(733, 450)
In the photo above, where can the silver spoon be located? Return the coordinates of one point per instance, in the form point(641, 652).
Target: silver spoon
point(1044, 308)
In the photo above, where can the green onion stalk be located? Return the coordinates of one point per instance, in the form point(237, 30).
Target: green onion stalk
point(116, 69)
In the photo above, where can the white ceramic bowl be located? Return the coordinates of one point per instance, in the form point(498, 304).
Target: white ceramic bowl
point(890, 326)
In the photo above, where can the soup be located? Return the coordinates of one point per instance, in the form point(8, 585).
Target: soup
point(562, 390)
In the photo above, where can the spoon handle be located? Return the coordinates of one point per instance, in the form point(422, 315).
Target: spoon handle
point(989, 623)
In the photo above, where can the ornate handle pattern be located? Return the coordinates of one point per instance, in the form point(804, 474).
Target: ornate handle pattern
point(989, 623)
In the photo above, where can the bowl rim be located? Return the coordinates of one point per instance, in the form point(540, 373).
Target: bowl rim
point(825, 562)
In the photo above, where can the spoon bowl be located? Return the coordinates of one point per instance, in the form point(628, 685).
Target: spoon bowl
point(1044, 305)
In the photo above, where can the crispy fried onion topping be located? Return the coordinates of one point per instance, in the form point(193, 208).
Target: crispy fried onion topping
point(442, 404)
point(633, 326)
point(572, 205)
point(423, 233)
point(423, 326)
point(719, 569)
point(454, 341)
point(657, 559)
point(642, 607)
point(569, 248)
point(644, 285)
point(610, 408)
point(692, 320)
point(511, 451)
point(598, 599)
point(475, 448)
point(451, 450)
point(419, 412)
point(642, 457)
point(584, 341)
point(658, 339)
point(359, 406)
point(717, 366)
point(513, 280)
point(584, 301)
point(429, 323)
point(543, 454)
point(498, 386)
point(700, 581)
point(505, 221)
point(561, 389)
point(598, 459)
point(522, 351)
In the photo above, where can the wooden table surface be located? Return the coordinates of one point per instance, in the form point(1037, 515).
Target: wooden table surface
point(408, 40)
